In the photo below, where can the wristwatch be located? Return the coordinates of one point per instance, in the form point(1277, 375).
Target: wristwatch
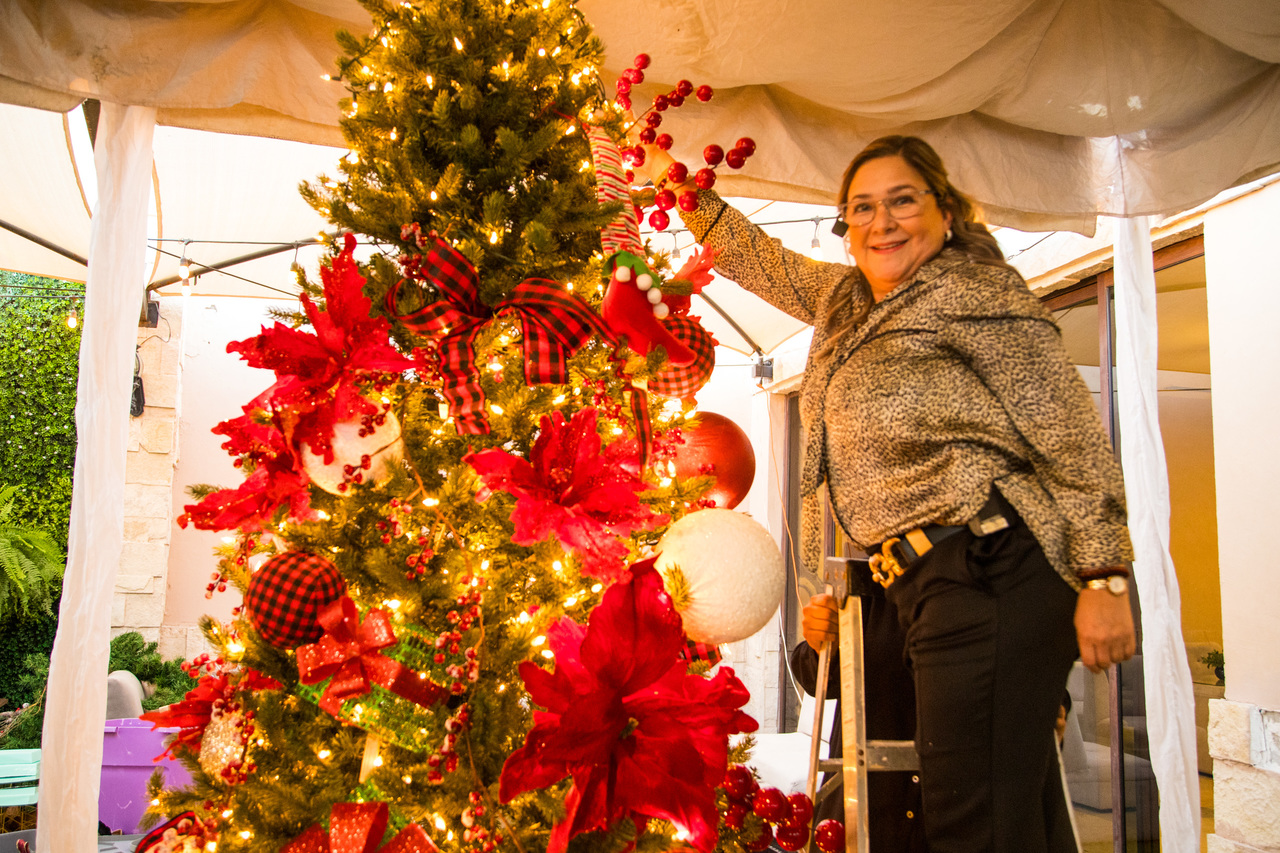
point(1116, 584)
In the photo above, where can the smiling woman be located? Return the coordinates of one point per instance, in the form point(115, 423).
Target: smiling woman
point(961, 450)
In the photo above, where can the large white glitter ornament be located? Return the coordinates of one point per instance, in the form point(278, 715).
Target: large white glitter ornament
point(349, 452)
point(724, 572)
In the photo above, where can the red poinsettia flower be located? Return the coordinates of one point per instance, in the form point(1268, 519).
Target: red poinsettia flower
point(320, 373)
point(277, 478)
point(193, 713)
point(639, 734)
point(572, 489)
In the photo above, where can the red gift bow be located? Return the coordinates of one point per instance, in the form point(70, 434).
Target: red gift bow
point(554, 323)
point(351, 652)
point(358, 828)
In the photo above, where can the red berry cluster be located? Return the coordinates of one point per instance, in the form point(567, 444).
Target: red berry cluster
point(785, 818)
point(484, 840)
point(445, 759)
point(218, 579)
point(705, 178)
point(210, 665)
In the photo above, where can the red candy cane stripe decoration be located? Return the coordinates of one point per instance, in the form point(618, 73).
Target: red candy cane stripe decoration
point(622, 234)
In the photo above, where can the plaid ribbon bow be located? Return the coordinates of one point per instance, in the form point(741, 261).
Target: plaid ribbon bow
point(351, 652)
point(554, 323)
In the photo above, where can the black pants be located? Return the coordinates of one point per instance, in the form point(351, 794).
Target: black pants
point(990, 638)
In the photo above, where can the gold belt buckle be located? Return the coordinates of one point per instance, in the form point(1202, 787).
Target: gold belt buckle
point(885, 568)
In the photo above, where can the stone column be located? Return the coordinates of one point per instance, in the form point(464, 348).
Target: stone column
point(138, 603)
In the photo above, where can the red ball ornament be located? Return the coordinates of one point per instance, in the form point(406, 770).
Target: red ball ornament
point(623, 86)
point(738, 782)
point(684, 88)
point(713, 154)
point(715, 443)
point(763, 841)
point(735, 815)
point(641, 60)
point(659, 220)
point(660, 103)
point(746, 145)
point(664, 141)
point(801, 808)
point(677, 173)
point(688, 201)
point(665, 199)
point(829, 836)
point(648, 135)
point(635, 75)
point(771, 804)
point(792, 836)
point(623, 101)
point(704, 93)
point(705, 179)
point(285, 597)
point(675, 99)
point(637, 156)
point(735, 158)
point(653, 119)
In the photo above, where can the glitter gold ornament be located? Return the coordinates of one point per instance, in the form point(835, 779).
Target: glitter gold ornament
point(223, 744)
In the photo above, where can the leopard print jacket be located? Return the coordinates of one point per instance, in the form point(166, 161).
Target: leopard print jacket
point(956, 382)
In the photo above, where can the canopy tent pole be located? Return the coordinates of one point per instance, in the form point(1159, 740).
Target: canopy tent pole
point(1171, 707)
point(76, 699)
point(40, 241)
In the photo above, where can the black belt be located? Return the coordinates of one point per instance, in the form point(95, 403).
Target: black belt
point(894, 556)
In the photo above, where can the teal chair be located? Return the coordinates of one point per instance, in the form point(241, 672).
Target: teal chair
point(19, 777)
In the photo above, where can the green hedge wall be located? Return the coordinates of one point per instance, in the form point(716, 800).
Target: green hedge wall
point(39, 358)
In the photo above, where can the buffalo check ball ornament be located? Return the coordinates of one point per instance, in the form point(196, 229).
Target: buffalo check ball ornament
point(286, 595)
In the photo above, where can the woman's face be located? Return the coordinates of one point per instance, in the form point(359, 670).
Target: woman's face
point(889, 251)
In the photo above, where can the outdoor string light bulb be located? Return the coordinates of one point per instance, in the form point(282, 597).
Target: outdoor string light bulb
point(815, 247)
point(184, 266)
point(73, 319)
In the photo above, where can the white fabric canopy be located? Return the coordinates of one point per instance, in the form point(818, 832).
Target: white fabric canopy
point(1049, 112)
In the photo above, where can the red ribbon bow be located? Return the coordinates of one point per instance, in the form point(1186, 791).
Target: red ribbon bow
point(351, 652)
point(554, 323)
point(358, 828)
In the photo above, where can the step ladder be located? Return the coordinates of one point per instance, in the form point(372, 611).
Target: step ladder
point(846, 580)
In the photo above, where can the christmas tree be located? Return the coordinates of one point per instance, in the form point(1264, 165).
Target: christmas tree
point(453, 635)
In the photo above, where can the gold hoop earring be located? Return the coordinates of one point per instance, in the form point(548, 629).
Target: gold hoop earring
point(947, 239)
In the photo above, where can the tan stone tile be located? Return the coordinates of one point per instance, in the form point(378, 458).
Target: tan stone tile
point(1230, 730)
point(145, 500)
point(153, 469)
point(161, 390)
point(144, 559)
point(1244, 807)
point(144, 611)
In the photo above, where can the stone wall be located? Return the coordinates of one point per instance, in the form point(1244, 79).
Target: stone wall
point(1244, 741)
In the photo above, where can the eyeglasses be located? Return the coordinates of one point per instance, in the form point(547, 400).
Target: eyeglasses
point(901, 205)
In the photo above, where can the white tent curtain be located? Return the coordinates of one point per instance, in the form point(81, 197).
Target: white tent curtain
point(76, 698)
point(1171, 725)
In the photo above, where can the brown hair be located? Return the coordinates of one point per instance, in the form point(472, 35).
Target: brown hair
point(968, 234)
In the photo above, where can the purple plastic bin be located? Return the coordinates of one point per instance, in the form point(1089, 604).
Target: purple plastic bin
point(128, 747)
